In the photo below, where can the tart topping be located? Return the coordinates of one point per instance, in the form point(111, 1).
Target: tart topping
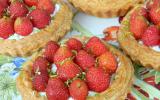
point(154, 14)
point(39, 18)
point(56, 90)
point(6, 27)
point(78, 90)
point(23, 26)
point(76, 72)
point(31, 2)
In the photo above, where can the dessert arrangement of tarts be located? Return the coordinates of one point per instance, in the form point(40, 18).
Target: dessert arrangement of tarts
point(139, 34)
point(80, 68)
point(27, 25)
point(105, 8)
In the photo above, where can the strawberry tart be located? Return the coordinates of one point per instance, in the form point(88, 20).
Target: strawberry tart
point(139, 34)
point(27, 25)
point(79, 69)
point(105, 8)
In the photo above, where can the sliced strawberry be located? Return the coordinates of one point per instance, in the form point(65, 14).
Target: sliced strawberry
point(151, 37)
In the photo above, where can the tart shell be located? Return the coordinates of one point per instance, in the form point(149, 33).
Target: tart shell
point(138, 52)
point(105, 8)
point(118, 89)
point(32, 43)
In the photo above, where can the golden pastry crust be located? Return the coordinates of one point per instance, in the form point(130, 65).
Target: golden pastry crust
point(105, 8)
point(32, 43)
point(118, 89)
point(138, 52)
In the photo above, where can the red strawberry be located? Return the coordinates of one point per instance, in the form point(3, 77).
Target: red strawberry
point(17, 9)
point(97, 79)
point(138, 24)
point(31, 2)
point(143, 11)
point(154, 14)
point(68, 70)
point(4, 3)
point(46, 5)
point(40, 65)
point(95, 46)
point(152, 3)
point(84, 60)
point(108, 62)
point(151, 37)
point(62, 54)
point(56, 90)
point(1, 10)
point(50, 50)
point(40, 18)
point(6, 27)
point(40, 81)
point(74, 44)
point(23, 26)
point(78, 90)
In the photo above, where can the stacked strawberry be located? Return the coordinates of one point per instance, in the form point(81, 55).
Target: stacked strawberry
point(80, 68)
point(145, 23)
point(20, 17)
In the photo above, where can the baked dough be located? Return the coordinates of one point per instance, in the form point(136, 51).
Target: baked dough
point(138, 52)
point(118, 89)
point(105, 8)
point(32, 43)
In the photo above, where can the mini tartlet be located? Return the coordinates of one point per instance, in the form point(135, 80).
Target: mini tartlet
point(138, 52)
point(118, 89)
point(105, 8)
point(34, 42)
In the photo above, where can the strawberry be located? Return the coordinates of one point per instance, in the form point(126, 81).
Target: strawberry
point(50, 50)
point(154, 14)
point(62, 54)
point(151, 37)
point(6, 27)
point(56, 90)
point(143, 11)
point(46, 5)
point(4, 3)
point(95, 46)
point(138, 24)
point(40, 65)
point(1, 10)
point(152, 3)
point(40, 81)
point(97, 79)
point(84, 60)
point(78, 90)
point(74, 44)
point(17, 9)
point(40, 18)
point(31, 2)
point(108, 62)
point(23, 26)
point(68, 70)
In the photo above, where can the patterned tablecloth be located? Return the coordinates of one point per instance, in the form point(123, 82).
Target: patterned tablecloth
point(147, 81)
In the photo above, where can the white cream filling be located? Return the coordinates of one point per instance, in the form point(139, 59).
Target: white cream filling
point(16, 36)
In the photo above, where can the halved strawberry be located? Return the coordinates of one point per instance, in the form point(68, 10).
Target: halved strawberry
point(6, 27)
point(40, 18)
point(23, 26)
point(31, 2)
point(17, 9)
point(151, 37)
point(50, 50)
point(46, 5)
point(108, 62)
